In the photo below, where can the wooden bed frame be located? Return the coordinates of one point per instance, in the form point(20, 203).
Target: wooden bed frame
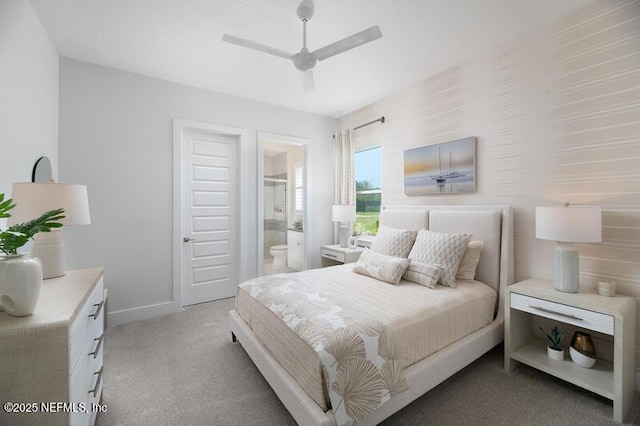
point(421, 376)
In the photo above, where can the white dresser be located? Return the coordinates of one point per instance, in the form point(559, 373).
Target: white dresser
point(51, 361)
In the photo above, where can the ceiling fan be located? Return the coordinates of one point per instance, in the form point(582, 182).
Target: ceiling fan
point(305, 60)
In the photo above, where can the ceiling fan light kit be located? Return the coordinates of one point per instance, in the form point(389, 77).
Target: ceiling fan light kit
point(304, 60)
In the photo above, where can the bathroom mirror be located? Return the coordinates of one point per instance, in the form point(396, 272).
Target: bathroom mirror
point(41, 170)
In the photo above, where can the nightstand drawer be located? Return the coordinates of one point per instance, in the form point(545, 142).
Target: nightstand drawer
point(333, 255)
point(568, 314)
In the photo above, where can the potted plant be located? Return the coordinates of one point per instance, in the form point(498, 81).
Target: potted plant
point(21, 276)
point(554, 337)
point(18, 235)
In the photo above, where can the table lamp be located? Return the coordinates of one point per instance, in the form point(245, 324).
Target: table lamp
point(568, 225)
point(34, 199)
point(345, 215)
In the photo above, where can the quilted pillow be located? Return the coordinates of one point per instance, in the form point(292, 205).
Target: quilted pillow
point(393, 242)
point(469, 262)
point(384, 268)
point(445, 250)
point(423, 273)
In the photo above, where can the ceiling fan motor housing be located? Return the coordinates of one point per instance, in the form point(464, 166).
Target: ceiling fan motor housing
point(304, 60)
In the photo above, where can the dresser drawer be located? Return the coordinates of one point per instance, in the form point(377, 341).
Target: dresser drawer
point(87, 391)
point(334, 255)
point(92, 349)
point(85, 321)
point(568, 314)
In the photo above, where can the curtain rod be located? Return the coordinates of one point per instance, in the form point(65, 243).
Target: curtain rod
point(381, 120)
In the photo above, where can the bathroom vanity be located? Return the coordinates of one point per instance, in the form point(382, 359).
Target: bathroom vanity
point(295, 253)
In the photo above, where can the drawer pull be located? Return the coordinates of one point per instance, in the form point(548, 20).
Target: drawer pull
point(551, 311)
point(94, 391)
point(97, 312)
point(330, 256)
point(98, 346)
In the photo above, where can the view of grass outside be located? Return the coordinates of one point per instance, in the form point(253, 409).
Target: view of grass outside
point(368, 191)
point(367, 223)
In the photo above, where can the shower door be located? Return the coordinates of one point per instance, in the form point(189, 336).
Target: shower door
point(275, 215)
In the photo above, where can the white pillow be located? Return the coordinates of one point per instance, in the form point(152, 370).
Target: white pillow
point(384, 268)
point(393, 242)
point(423, 273)
point(445, 250)
point(469, 262)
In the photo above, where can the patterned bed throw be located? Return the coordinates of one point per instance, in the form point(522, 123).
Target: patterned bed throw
point(361, 367)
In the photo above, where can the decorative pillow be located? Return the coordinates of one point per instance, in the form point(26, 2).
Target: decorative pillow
point(469, 262)
point(423, 273)
point(382, 267)
point(445, 250)
point(393, 242)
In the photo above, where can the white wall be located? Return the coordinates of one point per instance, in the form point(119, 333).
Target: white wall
point(556, 116)
point(28, 94)
point(116, 137)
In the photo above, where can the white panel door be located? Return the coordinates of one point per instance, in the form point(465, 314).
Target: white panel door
point(209, 212)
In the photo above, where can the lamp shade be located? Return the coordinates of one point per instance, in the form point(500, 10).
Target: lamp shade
point(569, 224)
point(343, 213)
point(34, 199)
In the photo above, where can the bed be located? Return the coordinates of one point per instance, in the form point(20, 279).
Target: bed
point(428, 355)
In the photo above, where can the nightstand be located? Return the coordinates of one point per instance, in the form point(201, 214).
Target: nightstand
point(335, 255)
point(614, 316)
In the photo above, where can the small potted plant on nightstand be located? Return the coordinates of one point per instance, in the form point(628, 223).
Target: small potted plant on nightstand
point(554, 337)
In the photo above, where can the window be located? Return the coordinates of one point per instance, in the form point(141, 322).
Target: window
point(368, 190)
point(299, 188)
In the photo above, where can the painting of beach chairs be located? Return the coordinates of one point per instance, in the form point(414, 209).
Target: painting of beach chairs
point(444, 168)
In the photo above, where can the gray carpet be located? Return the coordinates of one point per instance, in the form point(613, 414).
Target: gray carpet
point(183, 369)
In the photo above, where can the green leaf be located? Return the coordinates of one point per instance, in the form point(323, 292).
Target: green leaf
point(5, 206)
point(18, 235)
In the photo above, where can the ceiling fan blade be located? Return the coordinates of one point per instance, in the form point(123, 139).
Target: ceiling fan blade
point(308, 82)
point(255, 46)
point(350, 42)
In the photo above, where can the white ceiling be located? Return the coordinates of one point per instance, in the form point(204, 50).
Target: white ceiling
point(180, 41)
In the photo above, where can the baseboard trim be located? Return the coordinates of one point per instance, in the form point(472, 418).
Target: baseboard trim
point(142, 313)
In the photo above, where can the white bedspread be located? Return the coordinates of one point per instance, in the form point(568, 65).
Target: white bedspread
point(374, 328)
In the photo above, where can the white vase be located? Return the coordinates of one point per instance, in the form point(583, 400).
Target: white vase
point(20, 282)
point(581, 359)
point(555, 354)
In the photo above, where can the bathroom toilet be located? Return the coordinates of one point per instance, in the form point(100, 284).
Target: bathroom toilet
point(279, 254)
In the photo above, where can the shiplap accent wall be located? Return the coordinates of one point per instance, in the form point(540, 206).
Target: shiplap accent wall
point(557, 118)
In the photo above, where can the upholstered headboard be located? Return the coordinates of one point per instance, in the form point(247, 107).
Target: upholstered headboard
point(491, 224)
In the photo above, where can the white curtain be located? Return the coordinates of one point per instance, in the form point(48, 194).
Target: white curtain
point(345, 178)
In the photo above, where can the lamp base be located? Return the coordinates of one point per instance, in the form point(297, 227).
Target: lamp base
point(344, 235)
point(49, 248)
point(566, 268)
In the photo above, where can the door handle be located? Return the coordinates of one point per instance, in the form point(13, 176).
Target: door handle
point(187, 239)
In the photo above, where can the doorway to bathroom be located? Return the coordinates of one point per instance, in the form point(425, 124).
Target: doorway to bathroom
point(282, 206)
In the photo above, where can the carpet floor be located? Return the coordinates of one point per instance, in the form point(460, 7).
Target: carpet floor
point(183, 369)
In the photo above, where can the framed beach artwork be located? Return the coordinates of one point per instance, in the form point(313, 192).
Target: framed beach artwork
point(444, 168)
